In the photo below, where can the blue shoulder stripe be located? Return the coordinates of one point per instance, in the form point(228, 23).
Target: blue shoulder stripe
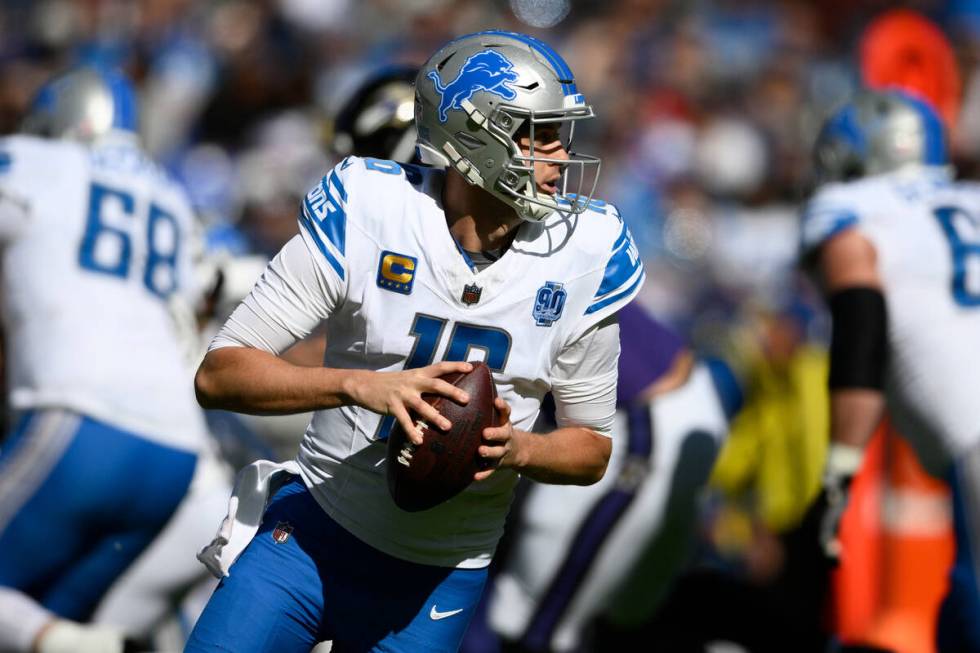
point(622, 265)
point(334, 220)
point(305, 220)
point(815, 232)
point(598, 306)
point(624, 233)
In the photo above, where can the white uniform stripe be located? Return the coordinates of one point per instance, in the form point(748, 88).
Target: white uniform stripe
point(49, 434)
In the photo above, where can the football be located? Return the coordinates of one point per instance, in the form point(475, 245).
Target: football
point(421, 477)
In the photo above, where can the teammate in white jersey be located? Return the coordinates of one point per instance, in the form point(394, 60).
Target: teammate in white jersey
point(106, 440)
point(488, 259)
point(896, 243)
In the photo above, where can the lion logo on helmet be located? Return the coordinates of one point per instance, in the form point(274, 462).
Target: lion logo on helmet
point(487, 71)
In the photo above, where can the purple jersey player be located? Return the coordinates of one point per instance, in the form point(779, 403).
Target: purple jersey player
point(577, 547)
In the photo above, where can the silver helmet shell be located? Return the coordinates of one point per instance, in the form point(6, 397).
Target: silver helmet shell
point(83, 104)
point(878, 132)
point(474, 95)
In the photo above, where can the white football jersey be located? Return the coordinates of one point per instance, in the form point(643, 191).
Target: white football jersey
point(398, 293)
point(95, 242)
point(926, 232)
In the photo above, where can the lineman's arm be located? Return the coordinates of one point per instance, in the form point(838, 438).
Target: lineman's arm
point(243, 371)
point(584, 387)
point(848, 265)
point(858, 349)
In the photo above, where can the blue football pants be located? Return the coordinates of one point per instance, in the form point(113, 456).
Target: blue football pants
point(304, 579)
point(79, 501)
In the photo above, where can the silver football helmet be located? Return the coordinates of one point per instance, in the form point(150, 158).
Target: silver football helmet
point(83, 104)
point(474, 96)
point(878, 132)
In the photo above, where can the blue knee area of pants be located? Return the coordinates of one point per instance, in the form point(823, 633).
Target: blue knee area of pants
point(79, 501)
point(959, 627)
point(305, 579)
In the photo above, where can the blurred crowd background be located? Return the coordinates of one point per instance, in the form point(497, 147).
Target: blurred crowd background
point(707, 110)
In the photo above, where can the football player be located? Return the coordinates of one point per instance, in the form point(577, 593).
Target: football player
point(654, 484)
point(896, 246)
point(106, 441)
point(415, 270)
point(612, 548)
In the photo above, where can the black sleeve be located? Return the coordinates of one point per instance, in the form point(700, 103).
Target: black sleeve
point(859, 344)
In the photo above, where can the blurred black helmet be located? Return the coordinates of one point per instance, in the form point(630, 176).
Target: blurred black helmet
point(377, 120)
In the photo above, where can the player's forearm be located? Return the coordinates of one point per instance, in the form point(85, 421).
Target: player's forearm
point(567, 456)
point(854, 415)
point(248, 380)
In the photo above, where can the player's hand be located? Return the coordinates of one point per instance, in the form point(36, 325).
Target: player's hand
point(830, 506)
point(500, 445)
point(397, 393)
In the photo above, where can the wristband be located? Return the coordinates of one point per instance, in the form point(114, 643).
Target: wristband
point(843, 460)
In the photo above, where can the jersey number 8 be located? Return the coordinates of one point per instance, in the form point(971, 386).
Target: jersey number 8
point(963, 232)
point(108, 249)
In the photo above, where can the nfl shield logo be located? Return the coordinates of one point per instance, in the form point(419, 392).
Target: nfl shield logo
point(471, 294)
point(281, 533)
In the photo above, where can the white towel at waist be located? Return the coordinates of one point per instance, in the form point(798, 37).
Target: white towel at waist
point(245, 509)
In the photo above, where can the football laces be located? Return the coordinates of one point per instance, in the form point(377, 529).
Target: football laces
point(405, 455)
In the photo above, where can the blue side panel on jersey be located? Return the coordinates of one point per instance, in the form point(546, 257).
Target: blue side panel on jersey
point(305, 220)
point(545, 50)
point(334, 223)
point(5, 162)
